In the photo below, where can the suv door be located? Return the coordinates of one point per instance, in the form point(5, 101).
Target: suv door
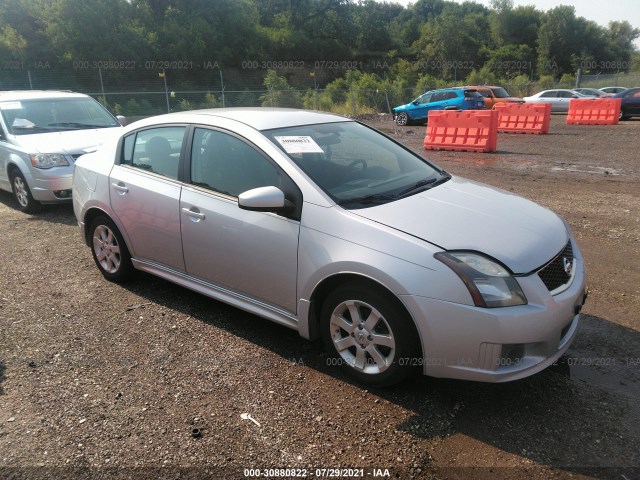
point(420, 106)
point(145, 194)
point(439, 100)
point(245, 252)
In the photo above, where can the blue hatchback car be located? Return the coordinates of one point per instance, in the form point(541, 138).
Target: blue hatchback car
point(443, 99)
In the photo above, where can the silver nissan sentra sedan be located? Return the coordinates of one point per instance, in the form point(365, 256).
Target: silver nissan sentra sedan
point(329, 227)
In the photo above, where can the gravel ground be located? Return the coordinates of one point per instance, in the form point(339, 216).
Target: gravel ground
point(99, 380)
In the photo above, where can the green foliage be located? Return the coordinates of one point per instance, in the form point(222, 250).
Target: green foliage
point(546, 82)
point(279, 92)
point(210, 101)
point(428, 44)
point(184, 105)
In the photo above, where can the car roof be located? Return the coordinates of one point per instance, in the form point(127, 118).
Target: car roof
point(259, 118)
point(15, 95)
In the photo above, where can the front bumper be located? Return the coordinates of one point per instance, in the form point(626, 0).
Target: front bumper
point(498, 344)
point(50, 186)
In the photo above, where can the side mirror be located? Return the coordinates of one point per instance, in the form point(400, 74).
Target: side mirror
point(122, 120)
point(264, 199)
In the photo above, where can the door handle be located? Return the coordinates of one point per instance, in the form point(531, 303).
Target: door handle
point(197, 216)
point(120, 187)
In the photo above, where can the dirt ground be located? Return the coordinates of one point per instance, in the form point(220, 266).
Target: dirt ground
point(99, 380)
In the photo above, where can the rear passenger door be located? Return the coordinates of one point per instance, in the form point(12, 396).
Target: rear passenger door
point(145, 193)
point(442, 100)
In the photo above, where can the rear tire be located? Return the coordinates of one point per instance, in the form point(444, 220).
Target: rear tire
point(622, 116)
point(22, 193)
point(370, 335)
point(109, 250)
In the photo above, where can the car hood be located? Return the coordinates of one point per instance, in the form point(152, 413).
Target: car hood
point(465, 215)
point(406, 106)
point(71, 142)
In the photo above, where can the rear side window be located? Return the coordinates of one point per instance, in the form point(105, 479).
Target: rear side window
point(155, 150)
point(439, 96)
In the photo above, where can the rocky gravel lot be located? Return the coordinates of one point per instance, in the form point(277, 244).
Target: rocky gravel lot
point(149, 380)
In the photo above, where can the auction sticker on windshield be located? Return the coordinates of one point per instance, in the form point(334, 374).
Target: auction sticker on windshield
point(299, 144)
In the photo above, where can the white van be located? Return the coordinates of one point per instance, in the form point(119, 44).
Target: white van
point(42, 133)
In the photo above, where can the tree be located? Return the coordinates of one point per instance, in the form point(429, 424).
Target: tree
point(450, 44)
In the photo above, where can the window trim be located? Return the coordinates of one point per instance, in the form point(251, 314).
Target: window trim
point(181, 159)
point(295, 195)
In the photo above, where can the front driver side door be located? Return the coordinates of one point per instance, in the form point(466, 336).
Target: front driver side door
point(250, 253)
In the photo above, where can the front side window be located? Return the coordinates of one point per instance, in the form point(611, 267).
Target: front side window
point(26, 117)
point(354, 164)
point(424, 98)
point(500, 92)
point(155, 150)
point(228, 165)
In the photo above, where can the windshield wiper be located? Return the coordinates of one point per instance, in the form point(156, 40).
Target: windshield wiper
point(374, 198)
point(77, 125)
point(31, 128)
point(427, 182)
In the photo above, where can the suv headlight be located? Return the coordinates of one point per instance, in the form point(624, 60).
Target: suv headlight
point(48, 160)
point(488, 282)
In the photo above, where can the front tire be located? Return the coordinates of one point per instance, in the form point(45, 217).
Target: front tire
point(109, 250)
point(22, 193)
point(368, 333)
point(402, 119)
point(622, 116)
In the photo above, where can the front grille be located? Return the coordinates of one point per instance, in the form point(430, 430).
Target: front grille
point(554, 274)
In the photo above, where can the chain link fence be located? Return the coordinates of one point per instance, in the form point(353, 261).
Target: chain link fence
point(139, 92)
point(621, 79)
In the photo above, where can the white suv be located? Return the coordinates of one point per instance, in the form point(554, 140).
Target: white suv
point(41, 135)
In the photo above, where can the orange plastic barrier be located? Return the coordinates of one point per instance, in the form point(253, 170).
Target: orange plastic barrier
point(524, 117)
point(594, 111)
point(468, 130)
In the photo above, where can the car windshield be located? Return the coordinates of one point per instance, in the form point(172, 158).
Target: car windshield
point(25, 117)
point(500, 92)
point(354, 164)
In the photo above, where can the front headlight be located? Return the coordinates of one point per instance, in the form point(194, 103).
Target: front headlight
point(488, 282)
point(48, 160)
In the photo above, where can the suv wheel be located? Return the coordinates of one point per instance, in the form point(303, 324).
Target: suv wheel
point(21, 192)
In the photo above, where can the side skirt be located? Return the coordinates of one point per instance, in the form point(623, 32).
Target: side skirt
point(248, 304)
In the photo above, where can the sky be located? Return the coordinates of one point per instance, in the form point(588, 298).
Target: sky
point(601, 12)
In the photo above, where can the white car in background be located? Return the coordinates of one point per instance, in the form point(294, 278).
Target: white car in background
point(41, 135)
point(559, 98)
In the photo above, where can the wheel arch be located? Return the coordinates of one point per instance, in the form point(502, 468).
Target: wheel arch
point(16, 162)
point(329, 284)
point(90, 215)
